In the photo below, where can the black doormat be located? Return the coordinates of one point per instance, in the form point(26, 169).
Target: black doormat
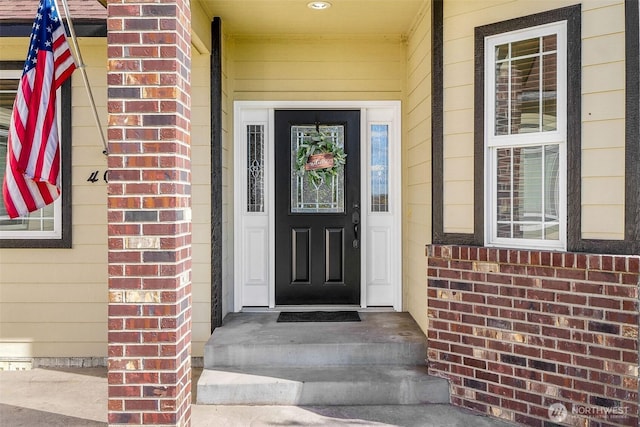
point(319, 316)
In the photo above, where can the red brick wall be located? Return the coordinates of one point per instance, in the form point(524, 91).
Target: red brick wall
point(149, 350)
point(516, 331)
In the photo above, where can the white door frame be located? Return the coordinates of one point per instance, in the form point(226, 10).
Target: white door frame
point(254, 242)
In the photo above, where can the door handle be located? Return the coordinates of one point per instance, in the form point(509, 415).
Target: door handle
point(356, 240)
point(355, 219)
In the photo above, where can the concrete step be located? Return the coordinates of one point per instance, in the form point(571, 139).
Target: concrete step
point(336, 385)
point(254, 360)
point(256, 339)
point(300, 355)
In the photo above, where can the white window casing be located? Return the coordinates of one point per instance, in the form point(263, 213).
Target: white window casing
point(527, 141)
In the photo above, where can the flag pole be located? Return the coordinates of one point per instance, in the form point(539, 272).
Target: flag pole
point(83, 71)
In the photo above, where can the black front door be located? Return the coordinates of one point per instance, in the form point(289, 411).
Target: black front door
point(317, 202)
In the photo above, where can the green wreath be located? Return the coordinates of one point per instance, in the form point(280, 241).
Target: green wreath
point(319, 143)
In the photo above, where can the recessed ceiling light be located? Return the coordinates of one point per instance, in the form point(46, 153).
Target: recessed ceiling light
point(319, 5)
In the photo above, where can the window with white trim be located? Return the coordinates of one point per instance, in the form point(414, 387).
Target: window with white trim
point(525, 139)
point(44, 227)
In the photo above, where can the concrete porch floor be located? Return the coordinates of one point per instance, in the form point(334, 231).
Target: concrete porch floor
point(396, 332)
point(262, 328)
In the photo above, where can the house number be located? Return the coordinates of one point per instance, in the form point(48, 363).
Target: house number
point(94, 177)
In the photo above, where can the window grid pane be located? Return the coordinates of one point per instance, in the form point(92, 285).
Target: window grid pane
point(504, 182)
point(527, 192)
point(525, 86)
point(549, 93)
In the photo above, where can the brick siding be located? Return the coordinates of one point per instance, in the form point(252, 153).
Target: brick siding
point(149, 350)
point(516, 331)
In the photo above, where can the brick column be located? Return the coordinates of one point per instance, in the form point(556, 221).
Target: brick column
point(149, 217)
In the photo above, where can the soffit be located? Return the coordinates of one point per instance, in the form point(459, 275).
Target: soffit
point(344, 17)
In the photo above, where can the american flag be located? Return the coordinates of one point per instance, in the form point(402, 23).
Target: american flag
point(32, 178)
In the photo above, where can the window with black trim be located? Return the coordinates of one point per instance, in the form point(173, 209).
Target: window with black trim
point(528, 131)
point(51, 225)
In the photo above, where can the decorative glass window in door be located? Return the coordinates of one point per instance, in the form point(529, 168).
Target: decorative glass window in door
point(317, 177)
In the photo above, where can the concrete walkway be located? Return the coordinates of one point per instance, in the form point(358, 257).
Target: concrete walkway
point(78, 398)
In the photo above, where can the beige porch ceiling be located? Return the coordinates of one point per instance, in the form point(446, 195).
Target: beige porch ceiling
point(344, 17)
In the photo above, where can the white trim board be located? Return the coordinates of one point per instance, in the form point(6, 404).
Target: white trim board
point(254, 242)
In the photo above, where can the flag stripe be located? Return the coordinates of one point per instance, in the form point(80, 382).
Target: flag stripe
point(32, 176)
point(35, 126)
point(42, 138)
point(63, 58)
point(27, 199)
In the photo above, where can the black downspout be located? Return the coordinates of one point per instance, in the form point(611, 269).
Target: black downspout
point(216, 173)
